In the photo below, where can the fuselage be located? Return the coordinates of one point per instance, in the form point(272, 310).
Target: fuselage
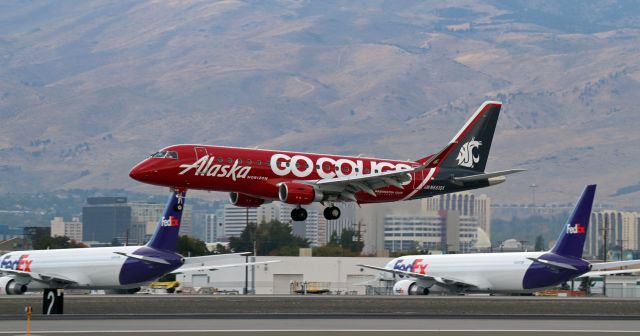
point(257, 172)
point(92, 268)
point(490, 272)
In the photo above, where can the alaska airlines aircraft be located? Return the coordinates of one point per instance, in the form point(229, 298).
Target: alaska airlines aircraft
point(113, 268)
point(255, 176)
point(520, 272)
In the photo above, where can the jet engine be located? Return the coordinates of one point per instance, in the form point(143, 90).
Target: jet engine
point(9, 286)
point(246, 201)
point(409, 287)
point(298, 193)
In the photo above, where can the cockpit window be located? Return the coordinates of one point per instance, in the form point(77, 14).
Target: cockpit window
point(165, 154)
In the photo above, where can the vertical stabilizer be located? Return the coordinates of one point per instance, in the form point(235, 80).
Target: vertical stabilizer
point(166, 235)
point(469, 148)
point(573, 234)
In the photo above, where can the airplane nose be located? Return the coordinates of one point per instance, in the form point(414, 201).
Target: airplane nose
point(141, 171)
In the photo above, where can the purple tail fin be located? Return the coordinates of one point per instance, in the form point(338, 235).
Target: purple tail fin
point(166, 235)
point(571, 240)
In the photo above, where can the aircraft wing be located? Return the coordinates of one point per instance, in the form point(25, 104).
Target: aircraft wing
point(345, 187)
point(187, 268)
point(40, 277)
point(613, 264)
point(601, 273)
point(440, 280)
point(207, 259)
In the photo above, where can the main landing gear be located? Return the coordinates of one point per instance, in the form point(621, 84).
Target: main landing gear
point(332, 212)
point(299, 214)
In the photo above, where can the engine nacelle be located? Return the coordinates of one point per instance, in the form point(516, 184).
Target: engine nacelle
point(409, 287)
point(298, 193)
point(246, 201)
point(9, 286)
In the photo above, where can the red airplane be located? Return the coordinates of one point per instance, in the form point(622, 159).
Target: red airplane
point(255, 176)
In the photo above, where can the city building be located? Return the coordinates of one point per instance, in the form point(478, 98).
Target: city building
point(107, 218)
point(466, 204)
point(622, 230)
point(236, 219)
point(442, 231)
point(215, 228)
point(71, 229)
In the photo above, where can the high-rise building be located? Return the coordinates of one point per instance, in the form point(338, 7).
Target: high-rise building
point(71, 229)
point(215, 229)
point(466, 204)
point(445, 231)
point(236, 219)
point(621, 228)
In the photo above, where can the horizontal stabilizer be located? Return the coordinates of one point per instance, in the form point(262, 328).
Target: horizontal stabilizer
point(613, 264)
point(486, 176)
point(143, 258)
point(553, 264)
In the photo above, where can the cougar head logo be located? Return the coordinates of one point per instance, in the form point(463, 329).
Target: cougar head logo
point(465, 157)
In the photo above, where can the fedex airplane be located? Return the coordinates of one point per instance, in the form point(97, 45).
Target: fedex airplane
point(111, 268)
point(255, 176)
point(520, 272)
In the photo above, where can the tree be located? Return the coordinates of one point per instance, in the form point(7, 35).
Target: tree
point(57, 242)
point(539, 243)
point(191, 247)
point(349, 242)
point(345, 245)
point(273, 238)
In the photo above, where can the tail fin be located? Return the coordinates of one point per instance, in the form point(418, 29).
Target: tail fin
point(573, 234)
point(469, 149)
point(166, 235)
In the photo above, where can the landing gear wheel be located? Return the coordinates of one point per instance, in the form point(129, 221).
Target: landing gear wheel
point(299, 214)
point(332, 212)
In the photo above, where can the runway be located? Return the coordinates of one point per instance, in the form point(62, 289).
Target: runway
point(312, 327)
point(323, 315)
point(207, 306)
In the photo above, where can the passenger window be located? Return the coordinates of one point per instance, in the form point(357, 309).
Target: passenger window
point(366, 170)
point(259, 162)
point(220, 159)
point(239, 161)
point(229, 160)
point(249, 162)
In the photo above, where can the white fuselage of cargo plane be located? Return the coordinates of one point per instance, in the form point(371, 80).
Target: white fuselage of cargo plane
point(488, 272)
point(94, 268)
